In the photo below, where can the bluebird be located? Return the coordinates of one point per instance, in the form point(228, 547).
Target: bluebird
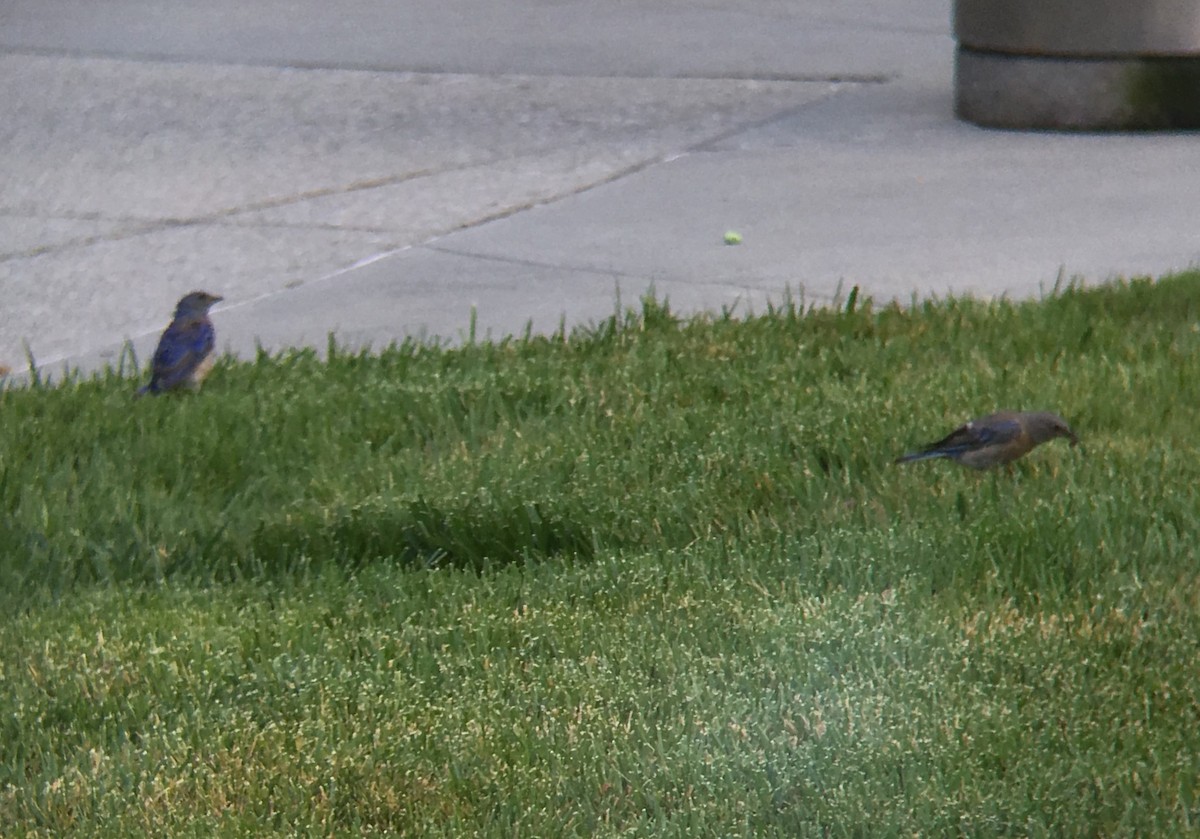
point(185, 350)
point(997, 439)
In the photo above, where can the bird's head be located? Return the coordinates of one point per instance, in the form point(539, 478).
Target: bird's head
point(1046, 426)
point(196, 303)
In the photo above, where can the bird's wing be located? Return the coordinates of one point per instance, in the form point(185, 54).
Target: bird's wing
point(977, 435)
point(182, 347)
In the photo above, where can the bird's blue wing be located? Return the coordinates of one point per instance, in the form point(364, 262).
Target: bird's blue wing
point(182, 347)
point(976, 435)
point(997, 432)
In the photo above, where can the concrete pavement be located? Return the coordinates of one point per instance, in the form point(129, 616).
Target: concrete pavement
point(378, 169)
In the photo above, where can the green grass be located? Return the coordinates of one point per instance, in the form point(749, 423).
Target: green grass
point(654, 578)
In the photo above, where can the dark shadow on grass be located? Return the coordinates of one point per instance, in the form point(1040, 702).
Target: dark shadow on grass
point(417, 533)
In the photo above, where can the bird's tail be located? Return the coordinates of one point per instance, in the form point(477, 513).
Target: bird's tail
point(912, 457)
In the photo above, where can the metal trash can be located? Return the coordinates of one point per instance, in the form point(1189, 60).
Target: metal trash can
point(1069, 64)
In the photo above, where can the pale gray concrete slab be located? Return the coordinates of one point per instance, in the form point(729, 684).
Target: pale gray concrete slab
point(633, 38)
point(25, 234)
point(966, 211)
point(418, 208)
point(136, 140)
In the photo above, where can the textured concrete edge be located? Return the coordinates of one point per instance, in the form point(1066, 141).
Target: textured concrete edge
point(1005, 90)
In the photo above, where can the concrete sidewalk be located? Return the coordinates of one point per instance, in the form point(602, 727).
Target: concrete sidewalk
point(378, 171)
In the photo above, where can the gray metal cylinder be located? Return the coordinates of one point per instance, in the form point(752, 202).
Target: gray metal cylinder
point(1083, 28)
point(1071, 64)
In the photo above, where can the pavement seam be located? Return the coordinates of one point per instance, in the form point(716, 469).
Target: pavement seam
point(702, 145)
point(836, 90)
point(615, 273)
point(529, 263)
point(417, 70)
point(220, 217)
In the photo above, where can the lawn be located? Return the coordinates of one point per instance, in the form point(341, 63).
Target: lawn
point(656, 577)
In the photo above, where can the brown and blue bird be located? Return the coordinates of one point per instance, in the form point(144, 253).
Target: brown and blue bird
point(997, 439)
point(184, 355)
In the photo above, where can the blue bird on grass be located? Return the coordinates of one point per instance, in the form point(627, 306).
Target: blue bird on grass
point(997, 439)
point(185, 351)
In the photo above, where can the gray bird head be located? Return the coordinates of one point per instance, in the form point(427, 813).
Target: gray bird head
point(1045, 425)
point(196, 303)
